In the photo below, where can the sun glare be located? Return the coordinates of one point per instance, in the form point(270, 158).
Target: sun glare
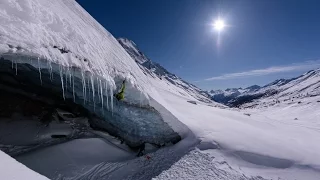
point(219, 25)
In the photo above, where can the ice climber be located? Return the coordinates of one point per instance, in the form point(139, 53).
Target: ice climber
point(120, 95)
point(141, 150)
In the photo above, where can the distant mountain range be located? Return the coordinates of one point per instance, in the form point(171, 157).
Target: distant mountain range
point(306, 85)
point(156, 71)
point(229, 95)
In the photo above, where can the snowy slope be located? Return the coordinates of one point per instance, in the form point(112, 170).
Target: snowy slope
point(305, 85)
point(266, 142)
point(157, 72)
point(11, 169)
point(290, 91)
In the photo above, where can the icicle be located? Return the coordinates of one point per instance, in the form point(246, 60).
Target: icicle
point(83, 85)
point(49, 69)
point(39, 70)
point(107, 96)
point(62, 85)
point(98, 88)
point(111, 96)
point(89, 88)
point(84, 88)
point(101, 94)
point(93, 92)
point(67, 79)
point(74, 97)
point(70, 78)
point(99, 91)
point(11, 64)
point(51, 75)
point(16, 68)
point(92, 87)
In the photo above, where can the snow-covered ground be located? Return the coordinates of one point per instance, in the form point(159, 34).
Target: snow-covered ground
point(233, 146)
point(11, 169)
point(74, 157)
point(61, 40)
point(267, 142)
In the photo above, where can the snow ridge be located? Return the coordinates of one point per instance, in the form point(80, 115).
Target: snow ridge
point(156, 71)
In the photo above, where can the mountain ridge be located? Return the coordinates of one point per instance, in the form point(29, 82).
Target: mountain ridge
point(155, 70)
point(307, 84)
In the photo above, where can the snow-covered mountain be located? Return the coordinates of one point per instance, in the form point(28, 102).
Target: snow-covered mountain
point(229, 95)
point(305, 85)
point(289, 91)
point(157, 71)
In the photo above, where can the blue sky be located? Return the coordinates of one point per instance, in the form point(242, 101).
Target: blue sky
point(265, 39)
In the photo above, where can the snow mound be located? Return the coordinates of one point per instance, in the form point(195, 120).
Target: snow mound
point(62, 32)
point(11, 169)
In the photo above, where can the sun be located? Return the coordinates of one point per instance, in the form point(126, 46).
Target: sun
point(219, 25)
